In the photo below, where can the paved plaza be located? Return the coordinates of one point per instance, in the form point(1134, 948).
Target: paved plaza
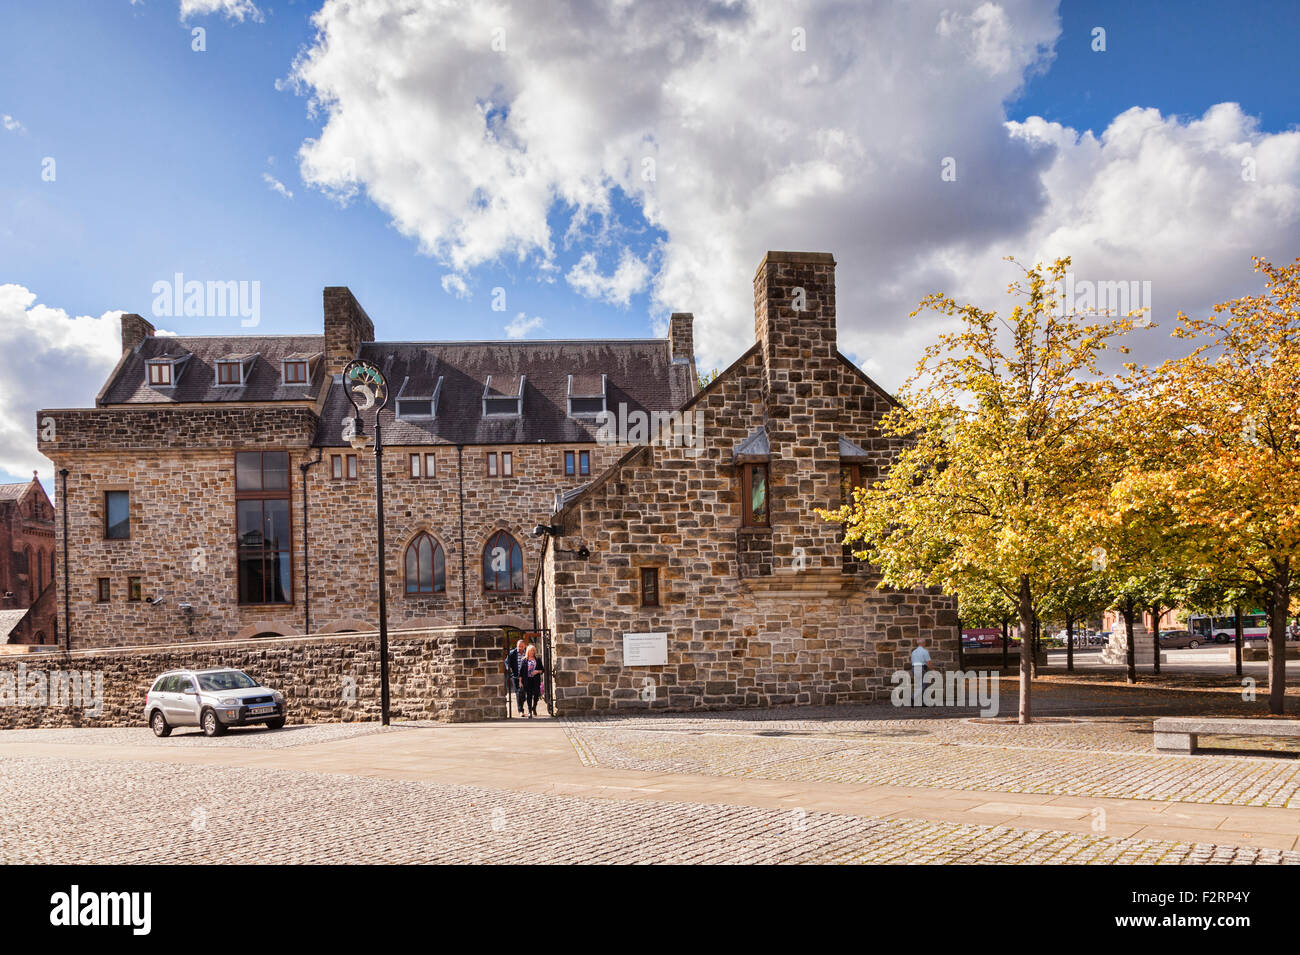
point(840, 785)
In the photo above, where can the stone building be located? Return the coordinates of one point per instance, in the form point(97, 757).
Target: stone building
point(211, 495)
point(27, 564)
point(708, 558)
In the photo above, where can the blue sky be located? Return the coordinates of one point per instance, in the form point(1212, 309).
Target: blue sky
point(161, 156)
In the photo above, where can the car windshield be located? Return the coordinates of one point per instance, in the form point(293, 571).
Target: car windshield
point(226, 680)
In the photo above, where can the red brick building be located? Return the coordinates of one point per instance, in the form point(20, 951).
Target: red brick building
point(27, 564)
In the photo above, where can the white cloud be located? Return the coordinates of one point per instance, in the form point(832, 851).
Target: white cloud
point(628, 278)
point(276, 185)
point(11, 125)
point(454, 284)
point(231, 9)
point(521, 325)
point(65, 361)
point(755, 146)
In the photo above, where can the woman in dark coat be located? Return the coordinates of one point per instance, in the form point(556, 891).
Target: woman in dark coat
point(531, 671)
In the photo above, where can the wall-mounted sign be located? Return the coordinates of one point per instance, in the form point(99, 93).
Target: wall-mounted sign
point(582, 635)
point(645, 649)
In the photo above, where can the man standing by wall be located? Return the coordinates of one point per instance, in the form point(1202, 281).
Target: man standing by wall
point(514, 660)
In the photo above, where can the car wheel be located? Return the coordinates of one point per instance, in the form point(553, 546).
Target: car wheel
point(275, 724)
point(1192, 644)
point(158, 723)
point(211, 725)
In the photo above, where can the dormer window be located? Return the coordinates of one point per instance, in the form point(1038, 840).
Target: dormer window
point(503, 396)
point(415, 405)
point(234, 369)
point(160, 374)
point(296, 369)
point(586, 395)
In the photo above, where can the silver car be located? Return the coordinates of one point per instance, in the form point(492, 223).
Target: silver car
point(211, 699)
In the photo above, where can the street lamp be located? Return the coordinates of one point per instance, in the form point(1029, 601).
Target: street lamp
point(367, 388)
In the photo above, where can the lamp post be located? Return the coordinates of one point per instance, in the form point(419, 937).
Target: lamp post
point(367, 388)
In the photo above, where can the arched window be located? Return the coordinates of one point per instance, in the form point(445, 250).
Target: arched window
point(503, 564)
point(426, 571)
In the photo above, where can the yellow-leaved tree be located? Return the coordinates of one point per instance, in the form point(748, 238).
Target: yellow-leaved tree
point(996, 453)
point(1229, 416)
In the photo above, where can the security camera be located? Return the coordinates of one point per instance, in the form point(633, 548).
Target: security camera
point(156, 601)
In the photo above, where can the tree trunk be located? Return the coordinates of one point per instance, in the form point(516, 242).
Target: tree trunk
point(1069, 643)
point(1281, 593)
point(1155, 636)
point(1127, 611)
point(1236, 626)
point(1026, 650)
point(1033, 657)
point(1005, 662)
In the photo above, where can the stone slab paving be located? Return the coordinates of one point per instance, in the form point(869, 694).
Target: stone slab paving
point(55, 810)
point(1102, 759)
point(250, 737)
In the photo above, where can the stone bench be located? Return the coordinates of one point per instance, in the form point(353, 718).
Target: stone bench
point(1177, 734)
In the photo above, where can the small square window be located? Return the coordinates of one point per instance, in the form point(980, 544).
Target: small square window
point(507, 466)
point(160, 373)
point(430, 470)
point(133, 589)
point(229, 373)
point(295, 372)
point(105, 590)
point(649, 586)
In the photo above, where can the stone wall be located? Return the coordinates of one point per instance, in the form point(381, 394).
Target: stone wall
point(452, 675)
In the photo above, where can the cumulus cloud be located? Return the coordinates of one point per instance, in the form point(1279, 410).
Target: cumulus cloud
point(65, 360)
point(521, 325)
point(238, 10)
point(628, 278)
point(731, 128)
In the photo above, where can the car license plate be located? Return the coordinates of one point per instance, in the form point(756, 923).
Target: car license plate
point(259, 710)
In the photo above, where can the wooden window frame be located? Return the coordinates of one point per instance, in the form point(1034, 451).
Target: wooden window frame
point(570, 463)
point(747, 496)
point(650, 597)
point(415, 465)
point(436, 549)
point(225, 367)
point(134, 589)
point(430, 465)
point(584, 463)
point(336, 467)
point(294, 372)
point(492, 464)
point(276, 494)
point(104, 590)
point(158, 370)
point(507, 464)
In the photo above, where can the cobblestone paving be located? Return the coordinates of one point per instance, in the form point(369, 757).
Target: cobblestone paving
point(248, 737)
point(91, 811)
point(1111, 758)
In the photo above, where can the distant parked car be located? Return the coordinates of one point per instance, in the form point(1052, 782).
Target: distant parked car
point(212, 699)
point(1177, 639)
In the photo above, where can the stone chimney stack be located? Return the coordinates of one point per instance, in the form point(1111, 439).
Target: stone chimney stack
point(794, 321)
point(346, 326)
point(681, 340)
point(135, 329)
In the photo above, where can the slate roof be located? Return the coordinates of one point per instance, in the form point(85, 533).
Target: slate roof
point(197, 376)
point(14, 492)
point(639, 374)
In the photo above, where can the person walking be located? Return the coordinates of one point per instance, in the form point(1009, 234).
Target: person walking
point(920, 663)
point(531, 671)
point(515, 667)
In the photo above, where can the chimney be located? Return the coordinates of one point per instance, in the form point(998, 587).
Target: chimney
point(794, 321)
point(681, 338)
point(135, 329)
point(346, 326)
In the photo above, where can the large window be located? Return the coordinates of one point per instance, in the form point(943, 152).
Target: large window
point(117, 515)
point(426, 570)
point(503, 564)
point(753, 495)
point(262, 516)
